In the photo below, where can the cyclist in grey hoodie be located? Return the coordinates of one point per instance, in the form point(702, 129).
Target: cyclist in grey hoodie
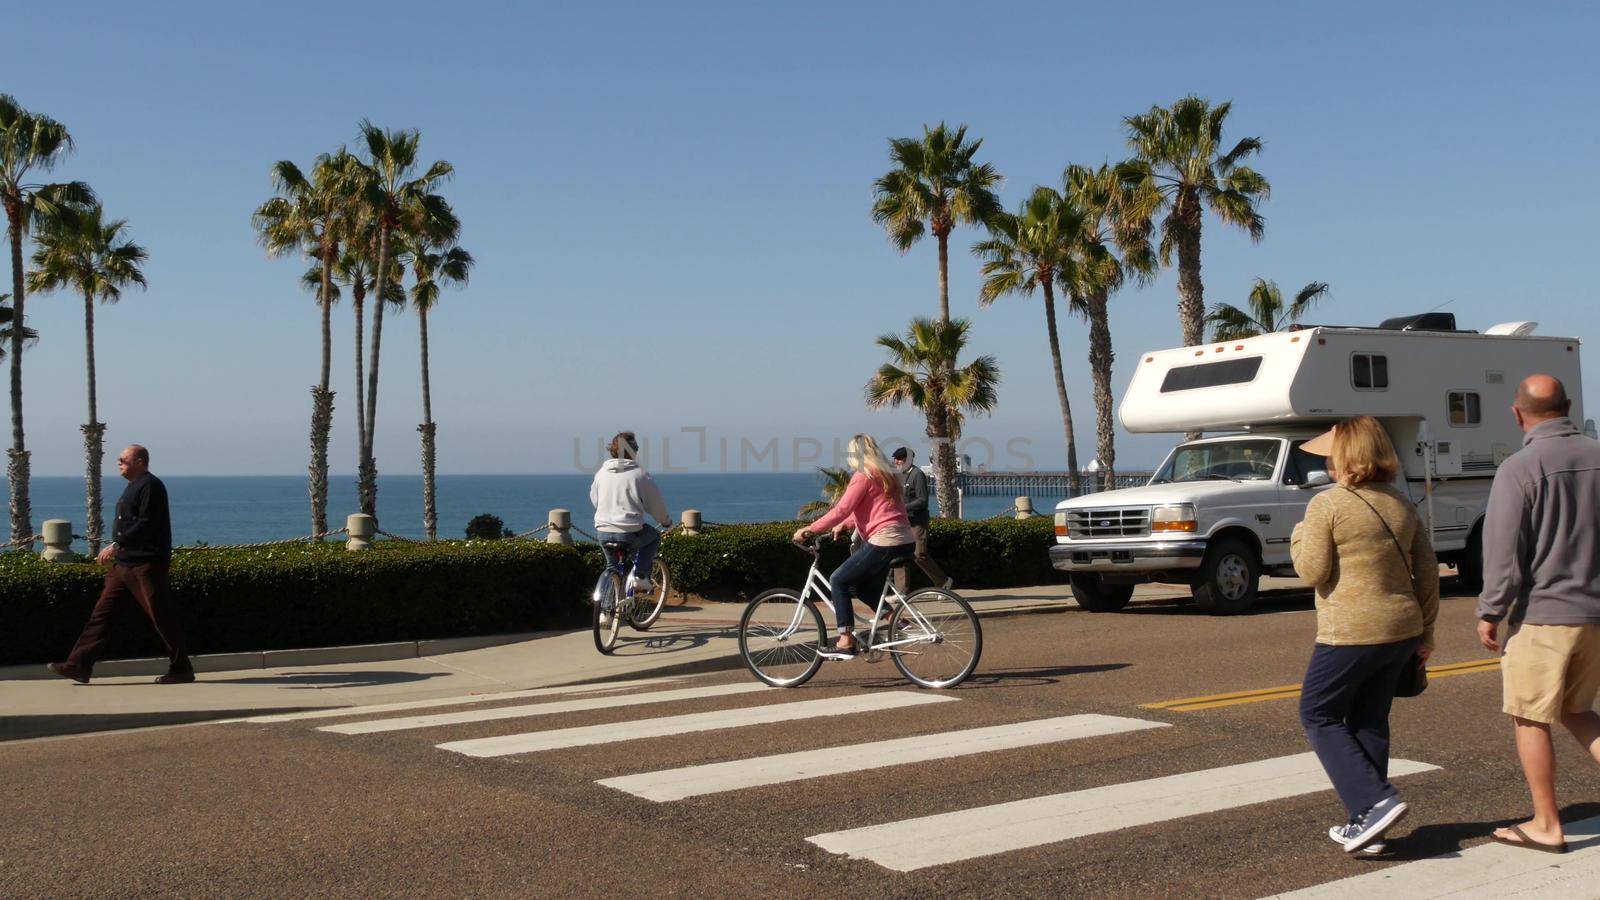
point(622, 493)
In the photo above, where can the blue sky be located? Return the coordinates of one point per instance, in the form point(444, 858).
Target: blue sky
point(669, 203)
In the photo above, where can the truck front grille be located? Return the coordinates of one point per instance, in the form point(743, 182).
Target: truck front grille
point(1122, 522)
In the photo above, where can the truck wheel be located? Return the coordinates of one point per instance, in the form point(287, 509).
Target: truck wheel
point(1469, 565)
point(1229, 578)
point(1093, 594)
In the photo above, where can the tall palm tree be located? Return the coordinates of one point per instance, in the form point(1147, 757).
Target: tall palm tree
point(834, 483)
point(1095, 273)
point(432, 268)
point(1266, 312)
point(393, 197)
point(935, 186)
point(28, 141)
point(924, 370)
point(1180, 157)
point(312, 215)
point(1027, 251)
point(82, 251)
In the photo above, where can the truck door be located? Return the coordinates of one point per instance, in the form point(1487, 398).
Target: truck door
point(1293, 497)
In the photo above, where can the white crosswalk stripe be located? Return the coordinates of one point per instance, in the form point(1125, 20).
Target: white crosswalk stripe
point(345, 711)
point(377, 726)
point(690, 781)
point(966, 834)
point(1486, 871)
point(687, 724)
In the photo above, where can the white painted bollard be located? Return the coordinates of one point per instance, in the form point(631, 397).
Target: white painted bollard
point(689, 522)
point(1024, 507)
point(58, 541)
point(560, 527)
point(363, 528)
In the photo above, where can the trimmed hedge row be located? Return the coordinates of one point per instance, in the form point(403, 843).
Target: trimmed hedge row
point(311, 596)
point(307, 596)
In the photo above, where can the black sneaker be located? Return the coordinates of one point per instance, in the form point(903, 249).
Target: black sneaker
point(67, 670)
point(177, 678)
point(839, 653)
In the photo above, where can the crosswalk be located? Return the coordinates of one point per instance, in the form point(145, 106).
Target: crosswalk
point(953, 835)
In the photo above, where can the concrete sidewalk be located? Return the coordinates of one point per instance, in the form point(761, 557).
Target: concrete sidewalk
point(687, 639)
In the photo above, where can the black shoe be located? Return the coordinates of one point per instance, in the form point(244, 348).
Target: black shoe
point(67, 670)
point(176, 678)
point(839, 653)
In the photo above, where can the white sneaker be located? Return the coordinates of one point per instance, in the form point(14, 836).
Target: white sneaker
point(644, 587)
point(605, 619)
point(1338, 834)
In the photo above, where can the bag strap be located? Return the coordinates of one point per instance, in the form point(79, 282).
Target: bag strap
point(1404, 558)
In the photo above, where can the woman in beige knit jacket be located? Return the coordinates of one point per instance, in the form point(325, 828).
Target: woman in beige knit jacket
point(1364, 549)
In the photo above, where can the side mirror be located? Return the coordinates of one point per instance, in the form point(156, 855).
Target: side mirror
point(1317, 479)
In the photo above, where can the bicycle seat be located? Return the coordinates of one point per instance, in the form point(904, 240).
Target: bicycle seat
point(904, 559)
point(616, 546)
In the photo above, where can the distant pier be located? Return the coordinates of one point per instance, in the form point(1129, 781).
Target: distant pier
point(1037, 484)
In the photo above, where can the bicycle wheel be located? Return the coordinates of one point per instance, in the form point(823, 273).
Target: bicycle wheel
point(647, 610)
point(944, 635)
point(779, 637)
point(608, 593)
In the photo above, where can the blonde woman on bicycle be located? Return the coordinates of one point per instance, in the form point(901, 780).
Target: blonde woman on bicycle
point(873, 505)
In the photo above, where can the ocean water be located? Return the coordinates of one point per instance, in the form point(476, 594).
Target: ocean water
point(245, 509)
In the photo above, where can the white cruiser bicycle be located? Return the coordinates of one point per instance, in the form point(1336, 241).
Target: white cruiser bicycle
point(932, 635)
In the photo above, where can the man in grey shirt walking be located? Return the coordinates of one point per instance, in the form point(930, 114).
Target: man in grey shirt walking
point(914, 486)
point(1541, 560)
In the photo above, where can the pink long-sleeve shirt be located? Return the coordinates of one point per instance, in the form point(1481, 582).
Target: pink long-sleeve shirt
point(866, 506)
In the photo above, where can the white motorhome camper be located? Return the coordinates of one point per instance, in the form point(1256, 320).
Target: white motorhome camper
point(1219, 511)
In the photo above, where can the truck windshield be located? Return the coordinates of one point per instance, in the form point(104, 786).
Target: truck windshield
point(1245, 460)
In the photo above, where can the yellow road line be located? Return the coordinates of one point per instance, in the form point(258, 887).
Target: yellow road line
point(1290, 691)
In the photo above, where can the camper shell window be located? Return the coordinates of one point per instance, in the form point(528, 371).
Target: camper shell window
point(1214, 374)
point(1369, 371)
point(1465, 409)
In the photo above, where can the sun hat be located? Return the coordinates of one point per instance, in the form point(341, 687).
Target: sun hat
point(1321, 445)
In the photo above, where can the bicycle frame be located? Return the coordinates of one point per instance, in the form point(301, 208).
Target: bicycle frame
point(817, 583)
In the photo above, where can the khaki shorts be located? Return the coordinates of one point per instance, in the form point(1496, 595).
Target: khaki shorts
point(1551, 669)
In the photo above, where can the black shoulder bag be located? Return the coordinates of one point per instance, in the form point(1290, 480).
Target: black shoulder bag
point(1414, 678)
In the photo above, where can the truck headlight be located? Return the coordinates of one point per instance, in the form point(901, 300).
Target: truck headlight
point(1177, 517)
point(1061, 524)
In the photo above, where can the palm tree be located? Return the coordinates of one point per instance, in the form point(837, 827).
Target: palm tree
point(834, 482)
point(1179, 158)
point(935, 186)
point(29, 336)
point(1095, 273)
point(922, 371)
point(82, 251)
point(1027, 251)
point(394, 197)
point(431, 269)
point(312, 215)
point(28, 141)
point(1266, 311)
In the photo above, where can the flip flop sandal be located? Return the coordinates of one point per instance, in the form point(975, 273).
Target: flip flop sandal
point(1528, 842)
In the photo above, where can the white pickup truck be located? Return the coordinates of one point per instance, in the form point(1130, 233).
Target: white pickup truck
point(1219, 512)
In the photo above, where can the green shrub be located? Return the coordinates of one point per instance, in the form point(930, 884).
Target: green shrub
point(307, 596)
point(740, 561)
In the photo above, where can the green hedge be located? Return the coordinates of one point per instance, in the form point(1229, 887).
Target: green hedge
point(740, 561)
point(307, 596)
point(311, 596)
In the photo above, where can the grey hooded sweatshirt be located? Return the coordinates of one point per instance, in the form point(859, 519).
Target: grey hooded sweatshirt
point(1541, 534)
point(622, 492)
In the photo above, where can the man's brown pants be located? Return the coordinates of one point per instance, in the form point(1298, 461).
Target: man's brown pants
point(903, 574)
point(146, 583)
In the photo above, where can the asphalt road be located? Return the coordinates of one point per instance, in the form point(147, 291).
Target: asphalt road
point(286, 809)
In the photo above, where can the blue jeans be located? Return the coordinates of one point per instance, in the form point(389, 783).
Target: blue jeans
point(866, 568)
point(1344, 708)
point(646, 540)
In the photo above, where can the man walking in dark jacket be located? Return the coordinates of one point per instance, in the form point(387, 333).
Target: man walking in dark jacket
point(1541, 567)
point(138, 561)
point(914, 486)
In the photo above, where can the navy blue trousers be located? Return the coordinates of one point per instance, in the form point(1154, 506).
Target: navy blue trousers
point(863, 575)
point(1344, 707)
